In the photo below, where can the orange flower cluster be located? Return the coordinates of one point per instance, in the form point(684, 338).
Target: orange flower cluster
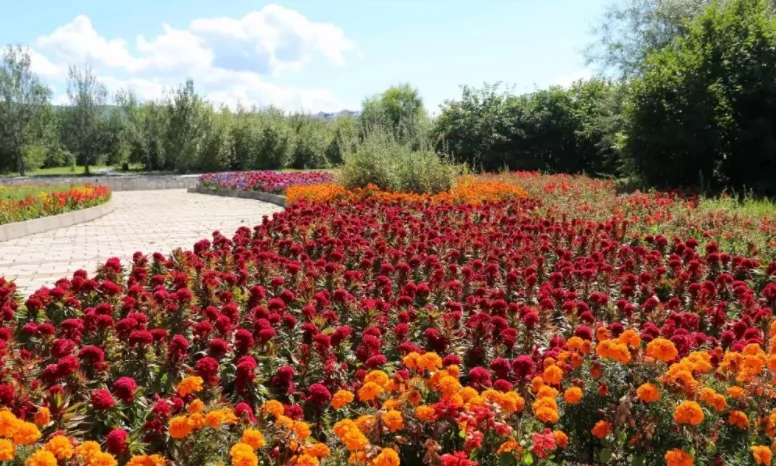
point(468, 190)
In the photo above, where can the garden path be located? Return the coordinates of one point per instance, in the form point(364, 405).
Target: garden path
point(147, 221)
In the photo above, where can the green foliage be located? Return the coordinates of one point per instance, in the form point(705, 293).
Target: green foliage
point(84, 127)
point(389, 164)
point(704, 113)
point(556, 130)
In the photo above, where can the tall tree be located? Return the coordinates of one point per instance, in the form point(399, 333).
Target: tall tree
point(24, 103)
point(88, 97)
point(185, 132)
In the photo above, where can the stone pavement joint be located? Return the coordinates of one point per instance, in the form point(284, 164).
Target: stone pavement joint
point(146, 221)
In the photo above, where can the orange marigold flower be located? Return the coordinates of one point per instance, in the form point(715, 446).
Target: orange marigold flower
point(430, 362)
point(196, 406)
point(60, 447)
point(411, 360)
point(243, 455)
point(575, 344)
point(272, 407)
point(26, 433)
point(354, 440)
point(601, 429)
point(387, 457)
point(736, 392)
point(378, 377)
point(648, 393)
point(553, 375)
point(341, 398)
point(8, 423)
point(42, 417)
point(190, 385)
point(41, 458)
point(509, 446)
point(547, 415)
point(677, 457)
point(180, 427)
point(561, 439)
point(572, 395)
point(536, 384)
point(301, 430)
point(369, 391)
point(254, 438)
point(762, 454)
point(306, 460)
point(688, 412)
point(425, 413)
point(7, 450)
point(630, 337)
point(738, 419)
point(318, 450)
point(393, 420)
point(449, 386)
point(87, 450)
point(662, 349)
point(197, 421)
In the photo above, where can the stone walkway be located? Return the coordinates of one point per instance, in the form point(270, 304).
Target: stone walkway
point(147, 221)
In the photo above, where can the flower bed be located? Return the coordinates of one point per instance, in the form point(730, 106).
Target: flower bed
point(569, 328)
point(23, 202)
point(264, 181)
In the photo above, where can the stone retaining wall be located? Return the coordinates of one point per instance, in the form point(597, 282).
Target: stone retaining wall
point(15, 230)
point(114, 182)
point(259, 196)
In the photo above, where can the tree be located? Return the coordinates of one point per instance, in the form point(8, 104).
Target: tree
point(83, 118)
point(398, 109)
point(705, 109)
point(24, 103)
point(187, 120)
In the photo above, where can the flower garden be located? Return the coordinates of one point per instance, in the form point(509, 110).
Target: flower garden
point(264, 181)
point(517, 319)
point(23, 202)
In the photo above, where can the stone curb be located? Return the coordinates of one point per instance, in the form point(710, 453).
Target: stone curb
point(15, 230)
point(115, 183)
point(258, 196)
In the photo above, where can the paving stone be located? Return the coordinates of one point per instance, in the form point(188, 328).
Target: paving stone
point(146, 221)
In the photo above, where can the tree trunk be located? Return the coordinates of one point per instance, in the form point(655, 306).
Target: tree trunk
point(20, 162)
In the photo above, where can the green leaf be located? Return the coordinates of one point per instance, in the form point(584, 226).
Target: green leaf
point(462, 434)
point(605, 456)
point(528, 459)
point(639, 461)
point(507, 459)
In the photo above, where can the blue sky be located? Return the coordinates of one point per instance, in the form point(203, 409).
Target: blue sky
point(310, 55)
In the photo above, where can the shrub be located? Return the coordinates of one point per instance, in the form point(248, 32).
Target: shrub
point(383, 162)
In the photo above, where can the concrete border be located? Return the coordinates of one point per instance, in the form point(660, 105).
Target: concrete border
point(15, 230)
point(256, 195)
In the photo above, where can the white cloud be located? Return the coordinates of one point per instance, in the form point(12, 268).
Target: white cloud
point(569, 79)
point(229, 59)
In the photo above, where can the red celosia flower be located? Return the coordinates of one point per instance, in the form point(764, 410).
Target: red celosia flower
point(101, 399)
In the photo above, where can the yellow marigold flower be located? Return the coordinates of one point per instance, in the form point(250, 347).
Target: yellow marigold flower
point(42, 417)
point(180, 427)
point(243, 455)
point(369, 391)
point(87, 449)
point(430, 362)
point(411, 360)
point(561, 439)
point(387, 457)
point(8, 423)
point(378, 377)
point(688, 412)
point(762, 454)
point(601, 429)
point(41, 458)
point(648, 393)
point(273, 407)
point(393, 420)
point(285, 422)
point(341, 398)
point(60, 447)
point(7, 450)
point(425, 413)
point(317, 450)
point(553, 375)
point(189, 385)
point(572, 395)
point(662, 349)
point(738, 419)
point(196, 406)
point(26, 433)
point(254, 438)
point(677, 457)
